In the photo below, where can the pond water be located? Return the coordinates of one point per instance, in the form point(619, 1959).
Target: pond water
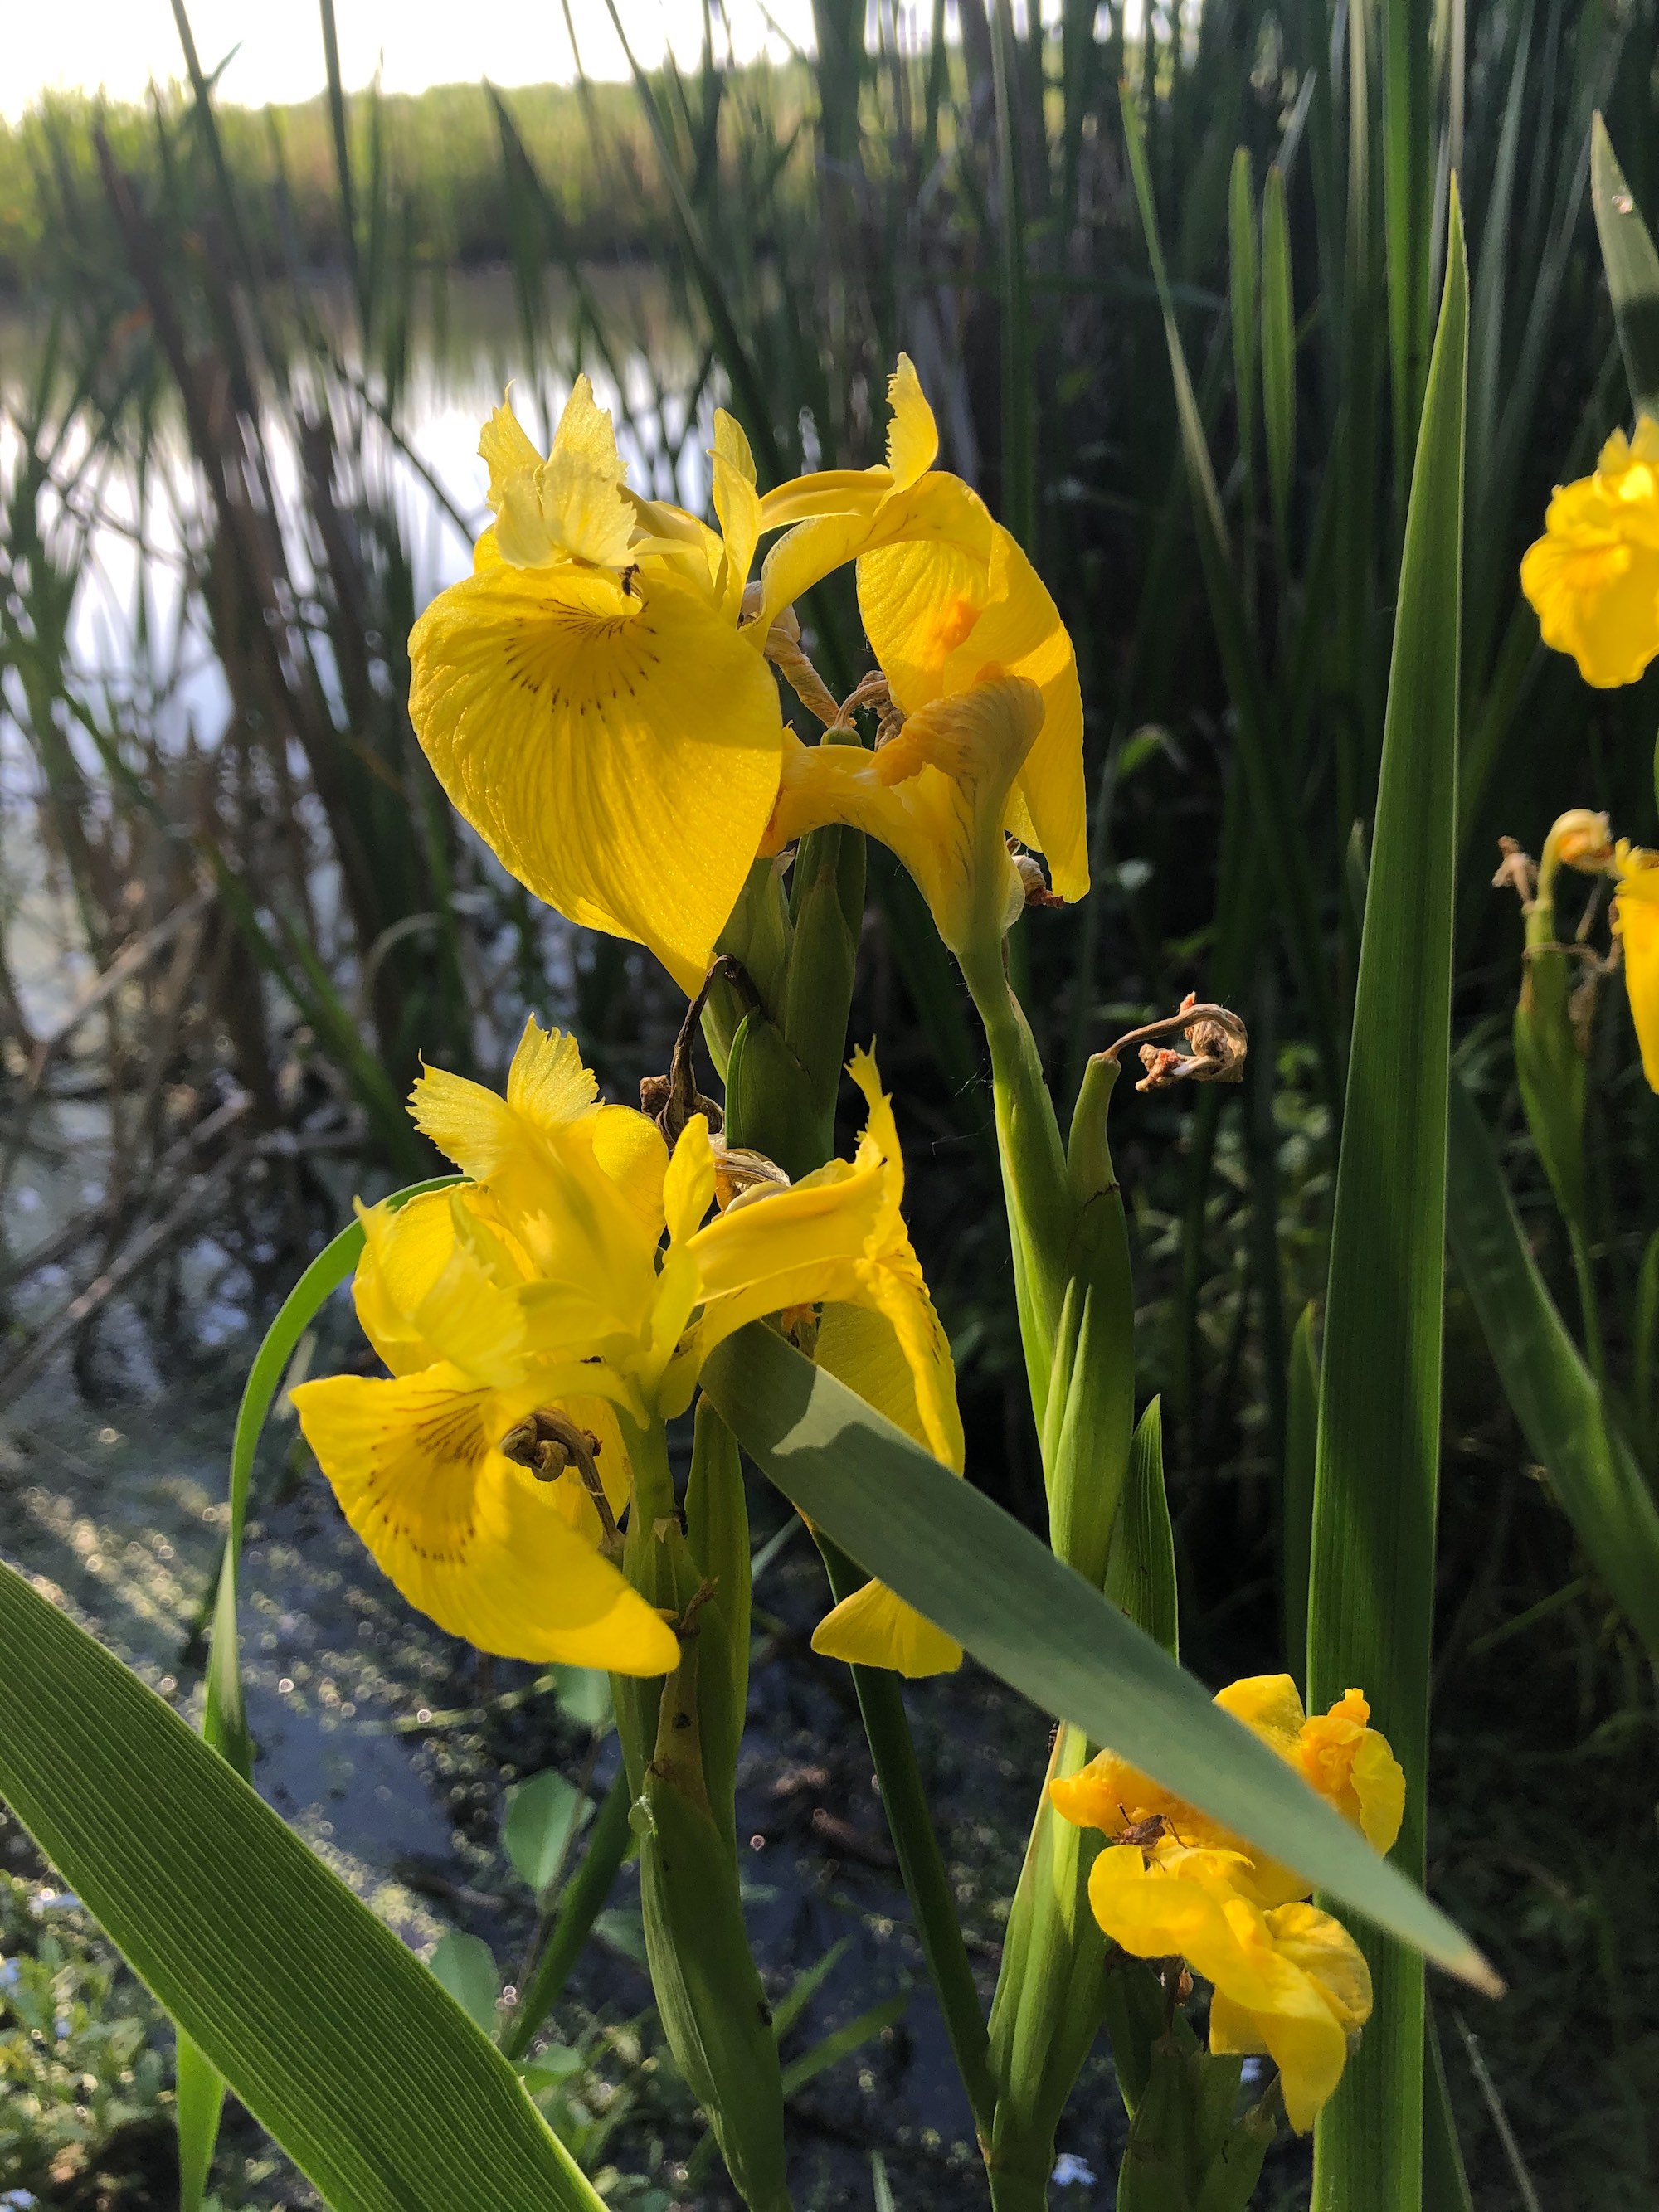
point(127, 521)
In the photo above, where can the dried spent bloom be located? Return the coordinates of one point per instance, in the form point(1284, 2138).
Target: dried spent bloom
point(1592, 577)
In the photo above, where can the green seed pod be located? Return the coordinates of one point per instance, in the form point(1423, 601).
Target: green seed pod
point(709, 1997)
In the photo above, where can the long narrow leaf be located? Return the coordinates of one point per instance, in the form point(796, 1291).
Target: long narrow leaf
point(1632, 267)
point(224, 1718)
point(334, 2036)
point(1552, 1393)
point(987, 1581)
point(1371, 1606)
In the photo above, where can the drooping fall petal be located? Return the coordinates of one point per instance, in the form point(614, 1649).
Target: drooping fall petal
point(467, 1536)
point(1291, 1982)
point(618, 746)
point(1636, 918)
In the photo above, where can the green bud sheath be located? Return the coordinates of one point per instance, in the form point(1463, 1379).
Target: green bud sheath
point(1549, 1064)
point(1234, 2166)
point(709, 1997)
point(771, 1104)
point(1158, 2162)
point(1051, 1992)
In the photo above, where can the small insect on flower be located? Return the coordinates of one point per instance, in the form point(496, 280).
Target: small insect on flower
point(1144, 1835)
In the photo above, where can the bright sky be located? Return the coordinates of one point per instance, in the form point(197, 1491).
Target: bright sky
point(80, 45)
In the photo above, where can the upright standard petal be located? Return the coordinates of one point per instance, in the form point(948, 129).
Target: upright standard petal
point(933, 626)
point(1636, 918)
point(470, 1538)
point(1592, 577)
point(616, 742)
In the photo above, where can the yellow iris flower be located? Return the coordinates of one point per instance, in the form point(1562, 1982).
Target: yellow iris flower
point(1289, 1982)
point(1592, 577)
point(587, 696)
point(1338, 1754)
point(576, 1276)
point(598, 706)
point(950, 604)
point(1636, 920)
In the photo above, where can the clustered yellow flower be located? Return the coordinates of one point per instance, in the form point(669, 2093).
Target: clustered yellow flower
point(596, 700)
point(1288, 1979)
point(1592, 577)
point(577, 1272)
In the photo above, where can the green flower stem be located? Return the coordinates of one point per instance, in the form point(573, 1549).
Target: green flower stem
point(649, 1564)
point(578, 1907)
point(1041, 1211)
point(921, 1863)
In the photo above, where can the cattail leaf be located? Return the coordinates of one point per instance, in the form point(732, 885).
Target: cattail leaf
point(1371, 1593)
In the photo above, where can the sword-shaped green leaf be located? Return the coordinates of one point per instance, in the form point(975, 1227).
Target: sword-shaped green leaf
point(1370, 1607)
point(1632, 267)
point(334, 2036)
point(973, 1569)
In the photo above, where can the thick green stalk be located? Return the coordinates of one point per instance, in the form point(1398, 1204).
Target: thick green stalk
point(785, 1073)
point(1041, 1212)
point(1051, 1992)
point(709, 1997)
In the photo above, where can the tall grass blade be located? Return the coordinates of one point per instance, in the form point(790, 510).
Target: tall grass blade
point(1632, 267)
point(1018, 384)
point(1260, 756)
point(335, 2037)
point(1278, 355)
point(1371, 1595)
point(337, 116)
point(927, 1535)
point(1296, 1497)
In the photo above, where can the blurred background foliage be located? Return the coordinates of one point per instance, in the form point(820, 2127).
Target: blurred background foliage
point(244, 357)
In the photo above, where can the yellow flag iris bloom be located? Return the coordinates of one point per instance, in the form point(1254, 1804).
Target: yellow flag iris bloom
point(949, 604)
point(598, 704)
point(1289, 1980)
point(1338, 1754)
point(1636, 920)
point(1592, 577)
point(587, 697)
point(576, 1275)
